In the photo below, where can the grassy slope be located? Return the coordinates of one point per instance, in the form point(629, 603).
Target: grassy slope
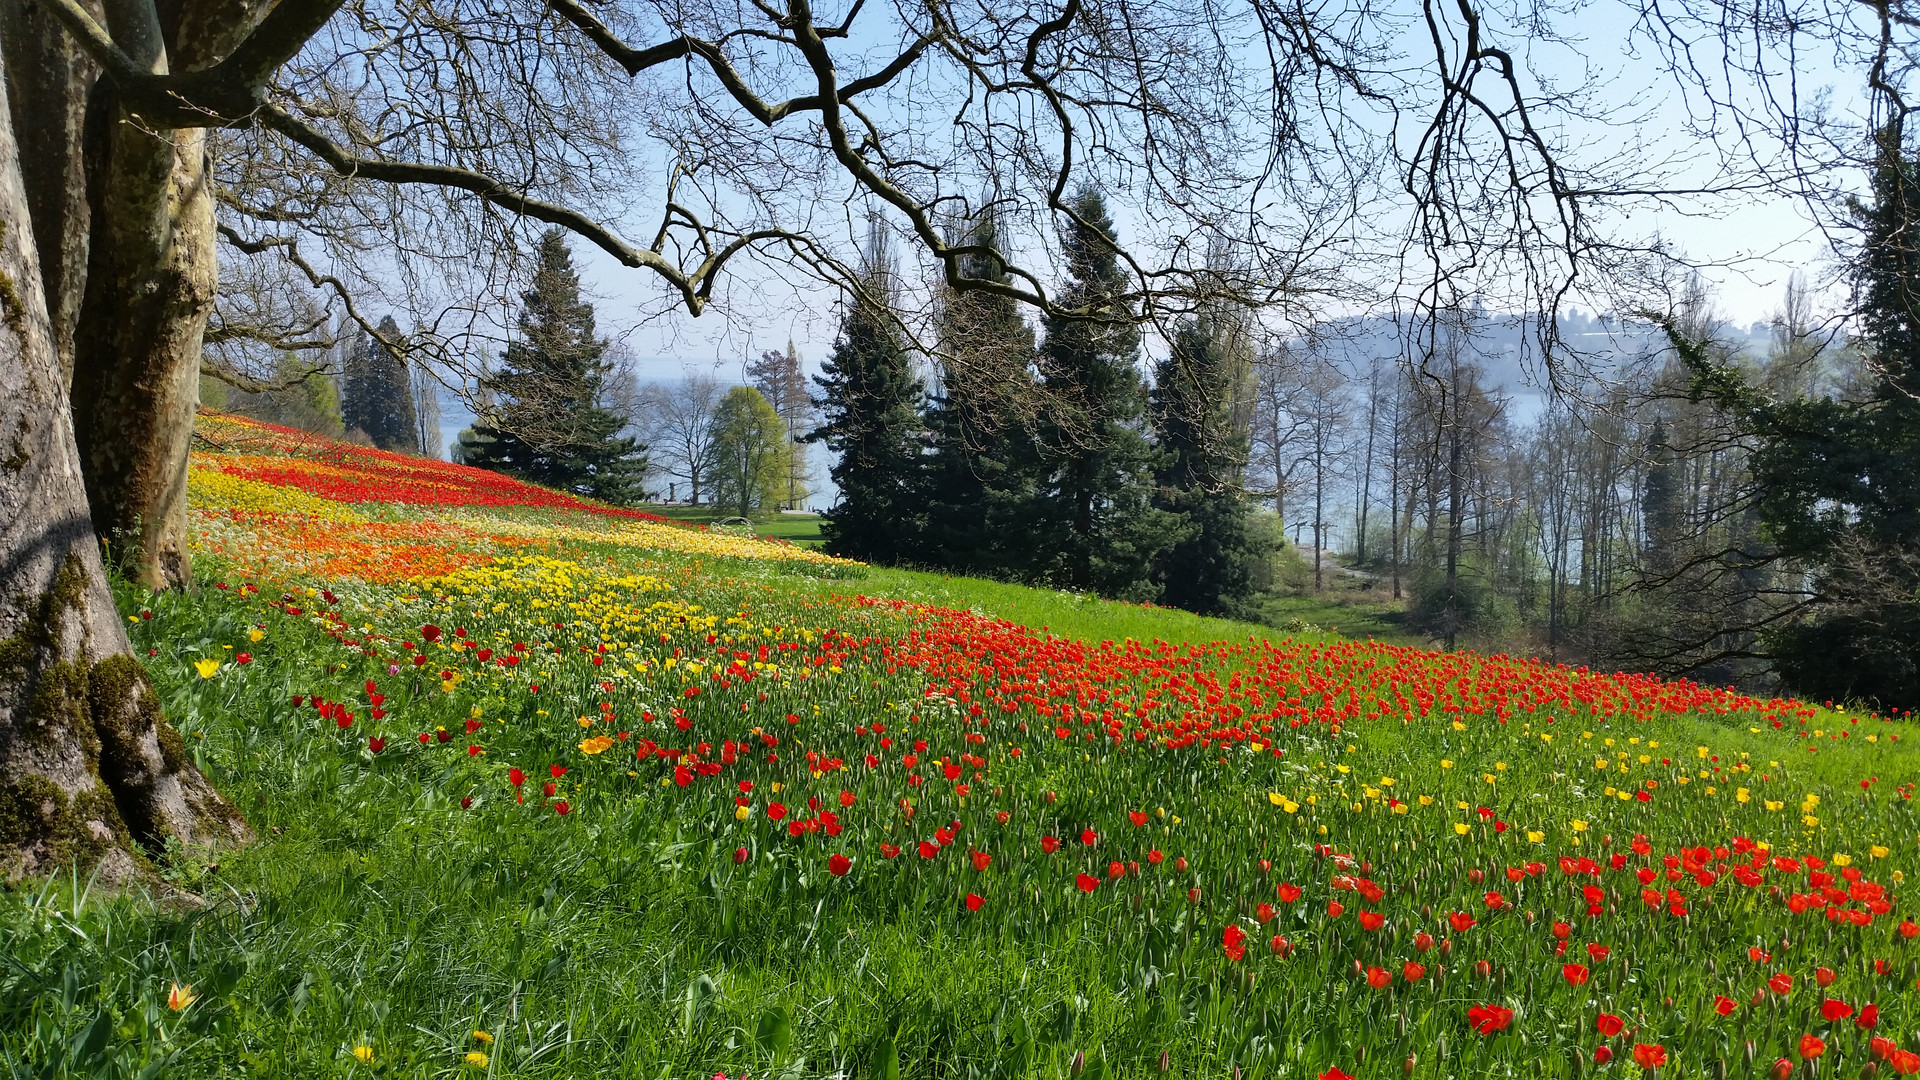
point(376, 912)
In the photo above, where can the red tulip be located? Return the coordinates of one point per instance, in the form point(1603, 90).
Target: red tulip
point(1868, 1019)
point(838, 864)
point(981, 860)
point(928, 849)
point(1287, 893)
point(1832, 1010)
point(1263, 914)
point(1812, 1046)
point(1781, 1070)
point(562, 808)
point(1423, 941)
point(1824, 976)
point(1334, 1074)
point(1115, 869)
point(1487, 1019)
point(1049, 844)
point(1233, 940)
point(1087, 882)
point(1334, 909)
point(1460, 921)
point(1280, 946)
point(1089, 837)
point(1608, 1024)
point(1372, 920)
point(1598, 952)
point(1781, 983)
point(1649, 1055)
point(974, 900)
point(1413, 972)
point(1575, 974)
point(1602, 1054)
point(1724, 1005)
point(1379, 978)
point(740, 855)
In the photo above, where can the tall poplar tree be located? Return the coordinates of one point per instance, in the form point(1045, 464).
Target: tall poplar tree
point(870, 401)
point(548, 425)
point(1101, 531)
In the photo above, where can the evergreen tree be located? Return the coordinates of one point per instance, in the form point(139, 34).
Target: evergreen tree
point(1211, 565)
point(377, 390)
point(1100, 530)
point(1661, 508)
point(750, 453)
point(548, 424)
point(1838, 479)
point(981, 481)
point(870, 402)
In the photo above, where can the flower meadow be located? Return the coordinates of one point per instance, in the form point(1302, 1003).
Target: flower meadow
point(546, 788)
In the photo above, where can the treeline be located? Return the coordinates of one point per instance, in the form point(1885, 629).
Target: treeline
point(1705, 505)
point(1046, 457)
point(364, 389)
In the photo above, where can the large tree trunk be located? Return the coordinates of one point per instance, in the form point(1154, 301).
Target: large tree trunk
point(151, 276)
point(89, 769)
point(49, 80)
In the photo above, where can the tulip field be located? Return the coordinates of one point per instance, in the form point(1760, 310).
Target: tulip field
point(544, 788)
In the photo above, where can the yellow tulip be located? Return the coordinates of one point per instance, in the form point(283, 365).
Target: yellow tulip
point(206, 667)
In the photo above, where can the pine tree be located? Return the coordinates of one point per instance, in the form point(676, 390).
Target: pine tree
point(870, 401)
point(548, 424)
point(1211, 566)
point(981, 480)
point(1100, 530)
point(750, 453)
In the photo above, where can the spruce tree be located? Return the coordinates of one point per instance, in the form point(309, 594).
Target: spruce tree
point(1099, 530)
point(981, 480)
point(548, 425)
point(376, 395)
point(1212, 562)
point(869, 400)
point(1661, 508)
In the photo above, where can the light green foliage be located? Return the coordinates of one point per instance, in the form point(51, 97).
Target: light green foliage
point(751, 451)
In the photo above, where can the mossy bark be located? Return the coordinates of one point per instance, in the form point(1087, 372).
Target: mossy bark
point(91, 774)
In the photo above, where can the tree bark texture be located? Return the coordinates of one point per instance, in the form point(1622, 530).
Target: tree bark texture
point(49, 80)
point(90, 771)
point(150, 281)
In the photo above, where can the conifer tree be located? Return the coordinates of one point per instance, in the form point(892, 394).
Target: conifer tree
point(981, 480)
point(548, 424)
point(870, 400)
point(377, 391)
point(1212, 562)
point(1099, 530)
point(1661, 508)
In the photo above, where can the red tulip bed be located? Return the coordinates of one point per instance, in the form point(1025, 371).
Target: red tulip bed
point(599, 808)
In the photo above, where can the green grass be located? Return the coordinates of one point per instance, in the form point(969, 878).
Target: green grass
point(623, 940)
point(803, 529)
